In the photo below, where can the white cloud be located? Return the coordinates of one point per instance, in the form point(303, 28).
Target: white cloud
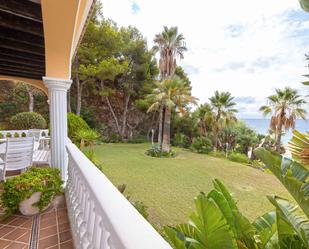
point(243, 46)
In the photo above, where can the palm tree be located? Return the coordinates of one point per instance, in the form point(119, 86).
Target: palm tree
point(223, 107)
point(205, 118)
point(171, 93)
point(170, 45)
point(285, 106)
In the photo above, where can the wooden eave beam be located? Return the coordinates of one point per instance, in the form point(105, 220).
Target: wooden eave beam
point(24, 9)
point(24, 71)
point(19, 61)
point(19, 36)
point(14, 22)
point(19, 74)
point(21, 55)
point(17, 66)
point(22, 47)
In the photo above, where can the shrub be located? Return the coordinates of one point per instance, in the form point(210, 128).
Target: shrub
point(8, 135)
point(28, 120)
point(218, 154)
point(137, 140)
point(44, 180)
point(16, 134)
point(1, 135)
point(113, 138)
point(23, 134)
point(181, 140)
point(87, 137)
point(202, 145)
point(75, 124)
point(141, 208)
point(238, 157)
point(155, 151)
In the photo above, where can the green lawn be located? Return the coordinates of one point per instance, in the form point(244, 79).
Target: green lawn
point(168, 186)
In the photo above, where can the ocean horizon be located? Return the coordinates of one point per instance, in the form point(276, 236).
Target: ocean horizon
point(261, 126)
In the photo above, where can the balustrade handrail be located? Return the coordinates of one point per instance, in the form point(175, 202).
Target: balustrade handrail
point(100, 216)
point(19, 132)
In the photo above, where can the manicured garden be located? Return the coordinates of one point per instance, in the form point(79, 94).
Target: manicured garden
point(168, 185)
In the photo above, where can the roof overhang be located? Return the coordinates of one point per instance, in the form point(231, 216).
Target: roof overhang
point(39, 38)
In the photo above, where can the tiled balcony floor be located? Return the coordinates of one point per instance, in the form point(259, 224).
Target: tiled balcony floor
point(53, 231)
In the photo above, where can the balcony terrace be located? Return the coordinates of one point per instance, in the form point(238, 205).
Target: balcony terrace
point(38, 41)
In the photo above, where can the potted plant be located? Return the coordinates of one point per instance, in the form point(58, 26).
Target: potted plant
point(32, 191)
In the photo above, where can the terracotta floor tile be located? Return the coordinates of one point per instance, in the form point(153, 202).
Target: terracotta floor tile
point(15, 234)
point(48, 215)
point(27, 224)
point(54, 247)
point(64, 236)
point(24, 238)
point(67, 245)
point(4, 243)
point(18, 221)
point(48, 242)
point(64, 227)
point(62, 212)
point(15, 245)
point(48, 222)
point(43, 233)
point(5, 230)
point(8, 220)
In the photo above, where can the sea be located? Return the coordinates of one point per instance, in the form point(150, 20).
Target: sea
point(261, 126)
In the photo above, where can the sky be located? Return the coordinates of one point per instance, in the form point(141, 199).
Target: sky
point(246, 47)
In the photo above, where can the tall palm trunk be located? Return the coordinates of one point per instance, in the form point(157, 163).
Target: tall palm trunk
point(279, 132)
point(166, 146)
point(160, 126)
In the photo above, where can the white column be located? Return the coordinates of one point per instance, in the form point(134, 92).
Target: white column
point(57, 95)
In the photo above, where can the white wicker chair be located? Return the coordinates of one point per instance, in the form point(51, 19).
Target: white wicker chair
point(18, 155)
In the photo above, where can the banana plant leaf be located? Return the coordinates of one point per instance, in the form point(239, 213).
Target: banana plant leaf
point(290, 219)
point(207, 228)
point(291, 174)
point(266, 226)
point(299, 146)
point(243, 231)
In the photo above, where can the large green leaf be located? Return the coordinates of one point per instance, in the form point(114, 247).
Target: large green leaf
point(207, 228)
point(291, 174)
point(267, 228)
point(292, 220)
point(299, 147)
point(243, 231)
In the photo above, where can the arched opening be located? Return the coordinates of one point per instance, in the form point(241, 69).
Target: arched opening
point(20, 96)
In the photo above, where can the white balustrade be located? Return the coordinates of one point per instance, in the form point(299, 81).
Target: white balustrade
point(100, 216)
point(20, 132)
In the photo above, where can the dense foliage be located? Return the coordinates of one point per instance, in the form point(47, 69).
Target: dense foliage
point(238, 157)
point(202, 145)
point(27, 120)
point(155, 151)
point(44, 180)
point(76, 124)
point(18, 97)
point(218, 223)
